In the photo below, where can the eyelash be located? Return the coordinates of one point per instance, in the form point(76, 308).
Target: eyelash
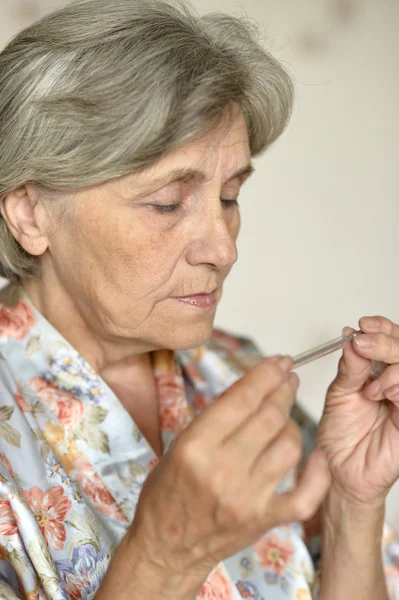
point(170, 208)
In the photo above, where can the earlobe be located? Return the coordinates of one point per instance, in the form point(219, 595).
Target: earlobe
point(19, 210)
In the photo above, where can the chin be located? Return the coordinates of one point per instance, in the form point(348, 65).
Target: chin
point(186, 337)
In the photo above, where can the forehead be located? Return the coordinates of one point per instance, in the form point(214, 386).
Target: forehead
point(229, 139)
point(222, 149)
point(216, 154)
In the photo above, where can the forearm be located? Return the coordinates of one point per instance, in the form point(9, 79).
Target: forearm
point(351, 551)
point(131, 576)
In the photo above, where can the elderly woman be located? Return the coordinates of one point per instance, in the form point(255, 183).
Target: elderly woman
point(143, 455)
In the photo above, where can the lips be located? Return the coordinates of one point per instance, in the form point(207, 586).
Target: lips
point(195, 295)
point(205, 301)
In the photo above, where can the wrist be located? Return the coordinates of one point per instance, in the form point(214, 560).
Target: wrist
point(135, 574)
point(351, 549)
point(352, 525)
point(340, 503)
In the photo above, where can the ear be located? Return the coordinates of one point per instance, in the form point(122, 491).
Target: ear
point(24, 217)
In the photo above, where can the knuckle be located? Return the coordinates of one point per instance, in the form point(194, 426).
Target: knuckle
point(273, 417)
point(250, 397)
point(272, 372)
point(271, 364)
point(186, 454)
point(383, 320)
point(218, 482)
point(292, 444)
point(284, 389)
point(243, 397)
point(383, 341)
point(304, 509)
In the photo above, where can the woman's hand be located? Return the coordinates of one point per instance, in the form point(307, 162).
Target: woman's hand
point(359, 430)
point(214, 492)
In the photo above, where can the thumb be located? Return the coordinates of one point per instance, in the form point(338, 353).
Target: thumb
point(304, 500)
point(353, 370)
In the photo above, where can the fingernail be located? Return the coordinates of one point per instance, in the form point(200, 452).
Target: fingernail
point(347, 331)
point(364, 341)
point(373, 389)
point(370, 322)
point(285, 363)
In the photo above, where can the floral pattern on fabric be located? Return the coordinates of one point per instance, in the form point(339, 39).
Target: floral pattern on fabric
point(73, 463)
point(49, 509)
point(84, 571)
point(248, 590)
point(8, 523)
point(274, 554)
point(17, 320)
point(69, 371)
point(217, 586)
point(66, 408)
point(390, 549)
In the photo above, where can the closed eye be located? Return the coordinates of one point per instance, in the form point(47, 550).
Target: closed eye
point(165, 208)
point(229, 203)
point(171, 208)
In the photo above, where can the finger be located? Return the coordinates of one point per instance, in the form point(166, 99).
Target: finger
point(244, 397)
point(386, 386)
point(303, 502)
point(256, 433)
point(392, 393)
point(394, 410)
point(379, 324)
point(284, 396)
point(280, 457)
point(377, 346)
point(353, 369)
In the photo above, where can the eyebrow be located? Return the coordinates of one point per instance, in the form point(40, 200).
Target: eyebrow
point(199, 176)
point(187, 174)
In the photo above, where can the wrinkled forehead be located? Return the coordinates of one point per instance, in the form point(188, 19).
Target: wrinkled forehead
point(219, 151)
point(216, 154)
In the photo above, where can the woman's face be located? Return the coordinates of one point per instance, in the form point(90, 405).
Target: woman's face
point(128, 250)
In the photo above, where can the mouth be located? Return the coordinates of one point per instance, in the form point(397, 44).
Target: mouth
point(203, 300)
point(195, 295)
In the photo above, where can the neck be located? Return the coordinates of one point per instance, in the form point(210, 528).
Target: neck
point(60, 309)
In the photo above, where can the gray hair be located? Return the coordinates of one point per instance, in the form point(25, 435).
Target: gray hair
point(100, 88)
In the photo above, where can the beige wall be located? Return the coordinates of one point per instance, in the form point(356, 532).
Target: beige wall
point(318, 248)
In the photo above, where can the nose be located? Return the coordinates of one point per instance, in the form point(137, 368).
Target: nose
point(215, 240)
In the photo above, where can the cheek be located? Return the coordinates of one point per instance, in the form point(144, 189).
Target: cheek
point(138, 257)
point(121, 249)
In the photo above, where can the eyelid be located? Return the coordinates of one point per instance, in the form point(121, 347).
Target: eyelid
point(165, 208)
point(227, 201)
point(175, 206)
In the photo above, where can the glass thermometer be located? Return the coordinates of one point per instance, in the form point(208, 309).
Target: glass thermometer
point(323, 350)
point(377, 367)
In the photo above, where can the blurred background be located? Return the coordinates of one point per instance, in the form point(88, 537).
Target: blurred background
point(319, 245)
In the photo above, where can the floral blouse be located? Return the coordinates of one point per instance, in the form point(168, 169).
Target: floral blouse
point(73, 462)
